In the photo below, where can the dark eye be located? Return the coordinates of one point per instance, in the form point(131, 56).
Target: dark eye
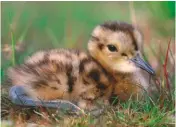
point(112, 48)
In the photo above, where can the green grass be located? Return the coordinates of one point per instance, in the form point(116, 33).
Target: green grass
point(131, 113)
point(31, 26)
point(13, 49)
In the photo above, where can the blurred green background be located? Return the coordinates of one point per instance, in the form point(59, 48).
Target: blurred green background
point(31, 26)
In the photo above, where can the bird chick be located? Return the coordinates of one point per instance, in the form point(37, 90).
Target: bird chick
point(117, 47)
point(111, 68)
point(63, 74)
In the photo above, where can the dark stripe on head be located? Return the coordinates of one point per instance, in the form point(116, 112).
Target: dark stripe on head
point(121, 26)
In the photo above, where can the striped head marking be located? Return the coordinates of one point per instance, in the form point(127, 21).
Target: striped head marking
point(115, 44)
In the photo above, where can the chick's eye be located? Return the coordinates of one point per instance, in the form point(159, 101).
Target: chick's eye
point(112, 48)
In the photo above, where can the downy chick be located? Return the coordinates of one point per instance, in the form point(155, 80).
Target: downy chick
point(117, 47)
point(63, 74)
point(109, 70)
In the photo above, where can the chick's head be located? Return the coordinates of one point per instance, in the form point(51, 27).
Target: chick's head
point(117, 47)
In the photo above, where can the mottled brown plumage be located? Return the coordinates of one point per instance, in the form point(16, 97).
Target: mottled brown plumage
point(106, 71)
point(63, 74)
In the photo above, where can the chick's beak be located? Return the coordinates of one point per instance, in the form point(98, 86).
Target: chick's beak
point(139, 62)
